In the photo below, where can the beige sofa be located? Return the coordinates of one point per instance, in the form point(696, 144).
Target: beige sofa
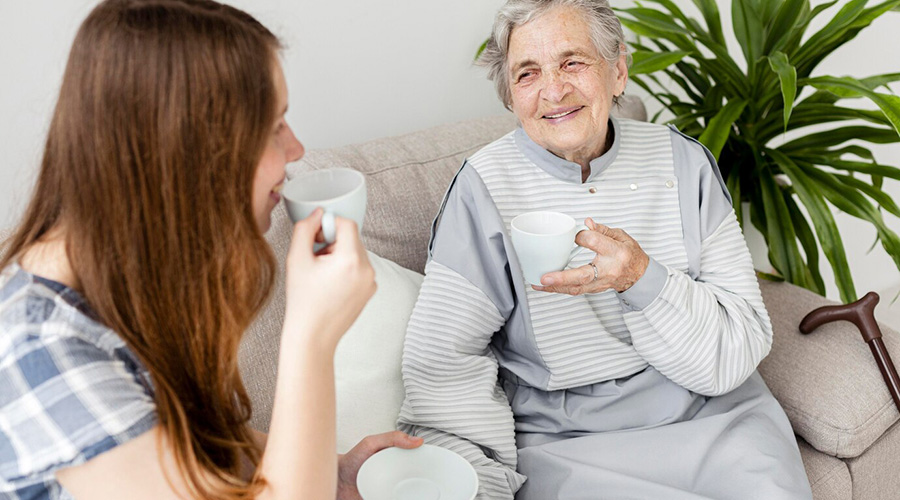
point(828, 383)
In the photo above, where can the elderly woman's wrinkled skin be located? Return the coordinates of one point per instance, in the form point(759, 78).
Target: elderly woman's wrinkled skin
point(561, 88)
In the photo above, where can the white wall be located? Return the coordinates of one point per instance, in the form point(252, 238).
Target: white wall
point(356, 70)
point(361, 69)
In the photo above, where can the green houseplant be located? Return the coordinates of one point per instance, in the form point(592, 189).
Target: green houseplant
point(763, 121)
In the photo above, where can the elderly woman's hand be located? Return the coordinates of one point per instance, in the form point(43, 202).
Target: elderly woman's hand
point(349, 464)
point(619, 263)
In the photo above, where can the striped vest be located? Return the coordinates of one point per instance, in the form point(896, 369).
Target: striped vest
point(584, 339)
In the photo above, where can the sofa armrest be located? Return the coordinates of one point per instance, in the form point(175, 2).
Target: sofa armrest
point(827, 382)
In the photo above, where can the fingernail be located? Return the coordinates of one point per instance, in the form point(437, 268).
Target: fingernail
point(547, 281)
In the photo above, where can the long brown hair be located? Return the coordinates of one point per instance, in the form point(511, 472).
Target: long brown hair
point(163, 115)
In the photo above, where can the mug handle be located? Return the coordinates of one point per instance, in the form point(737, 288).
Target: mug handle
point(575, 248)
point(328, 227)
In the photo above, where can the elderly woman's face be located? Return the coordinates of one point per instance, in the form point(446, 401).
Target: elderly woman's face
point(561, 87)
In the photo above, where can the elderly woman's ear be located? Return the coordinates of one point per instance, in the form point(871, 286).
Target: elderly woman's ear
point(621, 71)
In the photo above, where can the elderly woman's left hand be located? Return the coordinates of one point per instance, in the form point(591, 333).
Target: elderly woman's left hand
point(349, 463)
point(619, 263)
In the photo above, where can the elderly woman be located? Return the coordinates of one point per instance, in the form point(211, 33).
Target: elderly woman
point(632, 374)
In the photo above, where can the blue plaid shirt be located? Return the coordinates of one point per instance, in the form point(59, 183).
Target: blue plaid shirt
point(70, 389)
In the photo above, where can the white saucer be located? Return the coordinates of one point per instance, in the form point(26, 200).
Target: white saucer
point(425, 473)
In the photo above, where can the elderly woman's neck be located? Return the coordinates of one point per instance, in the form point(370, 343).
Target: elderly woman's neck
point(584, 156)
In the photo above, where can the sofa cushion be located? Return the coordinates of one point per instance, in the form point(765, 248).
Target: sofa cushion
point(828, 476)
point(369, 389)
point(827, 381)
point(368, 382)
point(875, 472)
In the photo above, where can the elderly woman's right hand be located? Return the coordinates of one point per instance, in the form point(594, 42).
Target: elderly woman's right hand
point(619, 263)
point(326, 291)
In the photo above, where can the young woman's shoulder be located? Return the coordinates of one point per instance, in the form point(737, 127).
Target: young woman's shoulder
point(70, 388)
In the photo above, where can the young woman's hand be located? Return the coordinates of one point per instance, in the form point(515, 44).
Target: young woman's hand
point(349, 463)
point(327, 290)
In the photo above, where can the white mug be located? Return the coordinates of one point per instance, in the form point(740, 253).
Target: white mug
point(338, 191)
point(544, 242)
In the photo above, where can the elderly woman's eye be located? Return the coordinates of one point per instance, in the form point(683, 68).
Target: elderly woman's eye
point(524, 75)
point(573, 64)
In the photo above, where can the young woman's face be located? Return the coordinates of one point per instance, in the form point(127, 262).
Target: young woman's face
point(281, 149)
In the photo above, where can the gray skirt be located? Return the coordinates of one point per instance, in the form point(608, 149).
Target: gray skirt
point(645, 437)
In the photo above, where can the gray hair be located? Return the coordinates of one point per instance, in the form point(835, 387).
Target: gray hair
point(605, 28)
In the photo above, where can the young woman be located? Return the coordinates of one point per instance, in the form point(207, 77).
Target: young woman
point(140, 262)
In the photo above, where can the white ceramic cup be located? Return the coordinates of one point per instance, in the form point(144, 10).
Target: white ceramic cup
point(339, 191)
point(544, 242)
point(424, 473)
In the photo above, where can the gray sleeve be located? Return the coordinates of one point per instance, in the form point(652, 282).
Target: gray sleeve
point(704, 201)
point(450, 373)
point(468, 237)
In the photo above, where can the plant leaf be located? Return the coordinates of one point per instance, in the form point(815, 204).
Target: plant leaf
point(834, 137)
point(481, 49)
point(655, 19)
point(856, 205)
point(781, 237)
point(786, 20)
point(828, 45)
point(769, 277)
point(719, 127)
point(838, 24)
point(710, 13)
point(688, 90)
point(826, 229)
point(787, 75)
point(852, 149)
point(808, 240)
point(701, 83)
point(875, 12)
point(883, 199)
point(805, 114)
point(726, 73)
point(649, 31)
point(872, 169)
point(644, 85)
point(650, 62)
point(749, 29)
point(688, 22)
point(792, 43)
point(873, 82)
point(889, 104)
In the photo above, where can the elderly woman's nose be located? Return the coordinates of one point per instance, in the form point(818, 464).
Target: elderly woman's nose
point(557, 86)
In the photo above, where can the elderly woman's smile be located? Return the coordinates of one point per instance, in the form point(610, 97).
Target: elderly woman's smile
point(561, 89)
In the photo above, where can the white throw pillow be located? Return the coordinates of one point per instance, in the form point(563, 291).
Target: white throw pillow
point(367, 361)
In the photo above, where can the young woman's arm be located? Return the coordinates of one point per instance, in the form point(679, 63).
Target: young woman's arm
point(325, 294)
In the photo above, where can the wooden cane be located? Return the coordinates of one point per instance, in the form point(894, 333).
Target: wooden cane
point(862, 314)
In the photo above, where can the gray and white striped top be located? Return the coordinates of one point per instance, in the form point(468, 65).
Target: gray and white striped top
point(696, 315)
